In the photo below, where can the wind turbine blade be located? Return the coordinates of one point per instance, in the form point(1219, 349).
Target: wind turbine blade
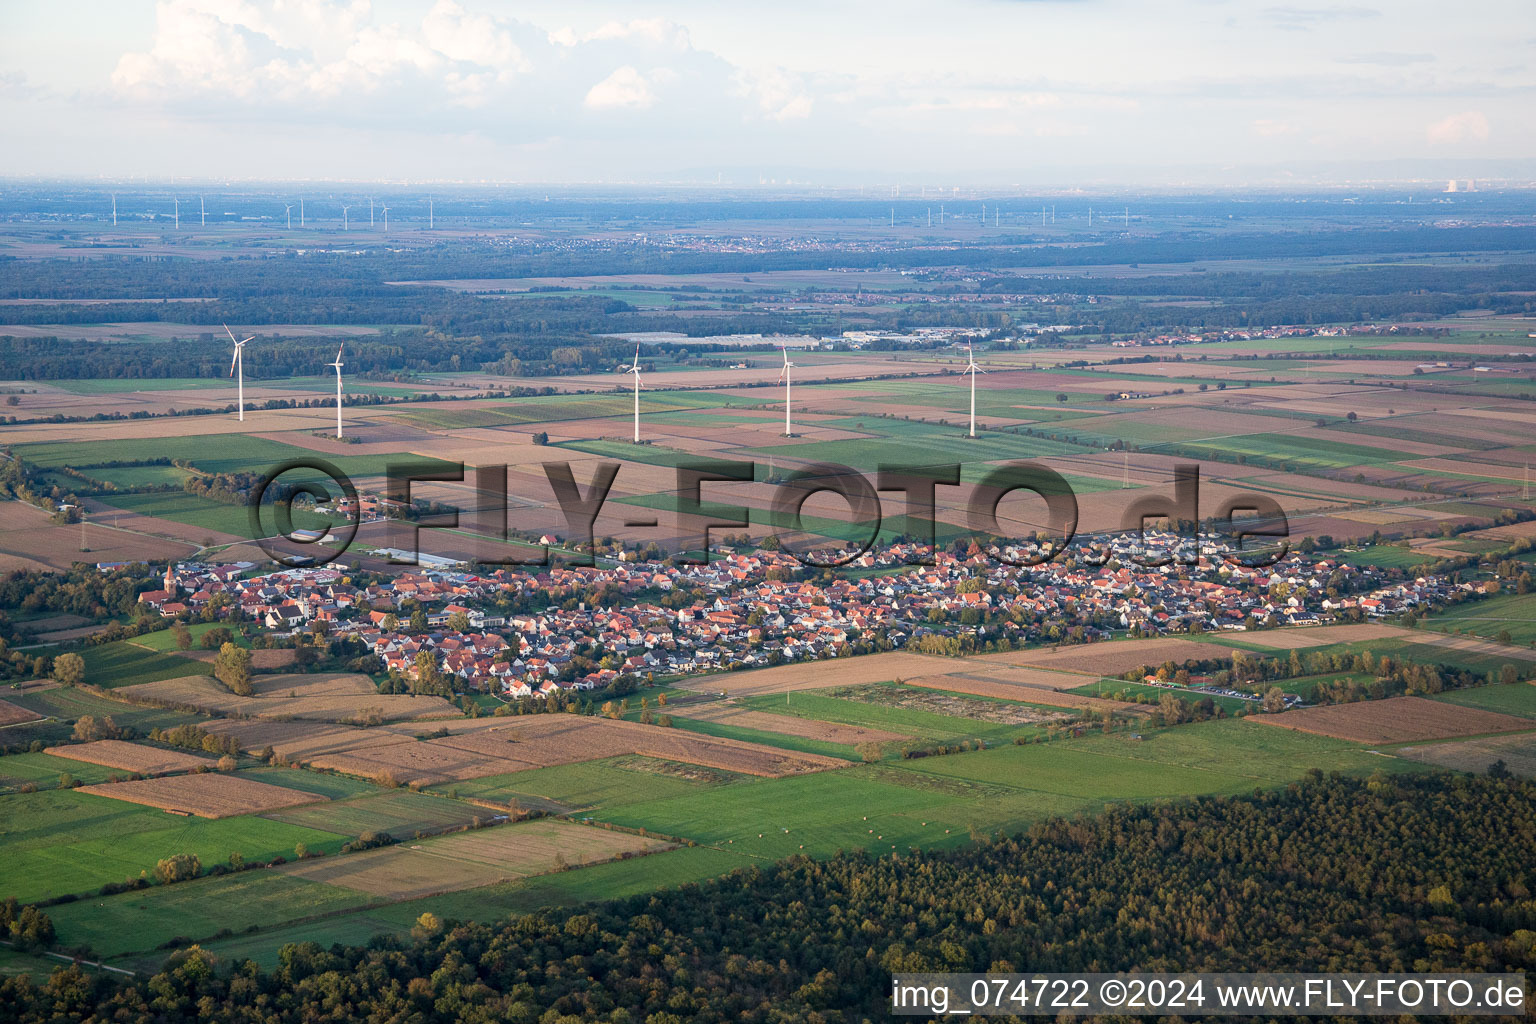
point(230, 333)
point(233, 360)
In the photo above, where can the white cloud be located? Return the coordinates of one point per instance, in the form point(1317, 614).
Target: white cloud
point(474, 38)
point(1467, 126)
point(625, 88)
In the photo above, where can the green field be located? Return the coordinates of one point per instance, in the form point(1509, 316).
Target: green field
point(1513, 699)
point(121, 663)
point(1388, 556)
point(588, 786)
point(164, 640)
point(64, 841)
point(141, 920)
point(43, 771)
point(401, 813)
point(822, 707)
point(65, 704)
point(1490, 616)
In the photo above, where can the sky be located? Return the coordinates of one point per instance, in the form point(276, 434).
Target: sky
point(964, 91)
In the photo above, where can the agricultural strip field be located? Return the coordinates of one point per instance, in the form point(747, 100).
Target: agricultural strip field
point(59, 842)
point(206, 795)
point(401, 813)
point(122, 664)
point(1395, 720)
point(909, 710)
point(10, 714)
point(133, 757)
point(1514, 614)
point(789, 725)
point(329, 698)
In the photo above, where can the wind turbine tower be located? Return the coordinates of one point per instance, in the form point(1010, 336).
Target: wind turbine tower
point(288, 212)
point(370, 211)
point(634, 369)
point(178, 212)
point(785, 375)
point(114, 209)
point(237, 369)
point(346, 224)
point(337, 366)
point(385, 210)
point(301, 211)
point(202, 211)
point(972, 369)
point(431, 218)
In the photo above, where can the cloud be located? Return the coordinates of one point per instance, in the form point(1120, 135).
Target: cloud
point(625, 88)
point(1468, 126)
point(1303, 19)
point(1390, 60)
point(1268, 128)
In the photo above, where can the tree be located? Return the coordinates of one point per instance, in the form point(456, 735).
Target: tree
point(182, 635)
point(541, 438)
point(227, 763)
point(390, 623)
point(69, 669)
point(1061, 396)
point(1274, 699)
point(1352, 417)
point(458, 622)
point(232, 667)
point(178, 868)
point(217, 637)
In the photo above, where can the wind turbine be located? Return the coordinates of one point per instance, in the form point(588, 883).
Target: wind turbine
point(431, 221)
point(178, 212)
point(237, 365)
point(202, 209)
point(301, 211)
point(337, 365)
point(370, 211)
point(385, 210)
point(114, 209)
point(784, 375)
point(346, 225)
point(634, 368)
point(288, 212)
point(972, 369)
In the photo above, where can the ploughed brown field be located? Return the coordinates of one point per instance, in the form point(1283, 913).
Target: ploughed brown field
point(204, 794)
point(132, 757)
point(812, 675)
point(30, 540)
point(1395, 720)
point(1317, 636)
point(787, 725)
point(10, 714)
point(468, 859)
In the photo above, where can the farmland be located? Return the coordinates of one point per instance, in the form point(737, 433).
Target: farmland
point(1396, 720)
point(213, 796)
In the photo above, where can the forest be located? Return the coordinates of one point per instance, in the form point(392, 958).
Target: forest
point(1399, 873)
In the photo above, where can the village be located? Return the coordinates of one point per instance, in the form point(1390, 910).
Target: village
point(751, 609)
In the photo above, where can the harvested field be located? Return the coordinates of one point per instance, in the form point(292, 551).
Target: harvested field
point(300, 741)
point(261, 659)
point(1473, 645)
point(409, 761)
point(133, 757)
point(324, 698)
point(1319, 636)
point(1517, 752)
point(206, 795)
point(814, 675)
point(10, 714)
point(788, 725)
point(1112, 658)
point(468, 859)
point(1395, 720)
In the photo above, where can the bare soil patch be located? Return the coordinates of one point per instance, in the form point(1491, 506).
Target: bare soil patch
point(1395, 720)
point(814, 675)
point(10, 714)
